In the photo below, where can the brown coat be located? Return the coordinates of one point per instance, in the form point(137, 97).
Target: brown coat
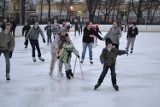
point(109, 57)
point(7, 42)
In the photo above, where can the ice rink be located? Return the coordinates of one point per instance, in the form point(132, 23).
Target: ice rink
point(138, 77)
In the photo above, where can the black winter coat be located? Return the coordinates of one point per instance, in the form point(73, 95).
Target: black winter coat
point(132, 32)
point(25, 29)
point(87, 33)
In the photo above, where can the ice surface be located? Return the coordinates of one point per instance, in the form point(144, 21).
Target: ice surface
point(138, 76)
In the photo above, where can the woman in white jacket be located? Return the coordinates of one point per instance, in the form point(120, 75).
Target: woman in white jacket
point(56, 46)
point(114, 34)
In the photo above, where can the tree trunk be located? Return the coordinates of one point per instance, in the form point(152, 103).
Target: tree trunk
point(4, 5)
point(41, 2)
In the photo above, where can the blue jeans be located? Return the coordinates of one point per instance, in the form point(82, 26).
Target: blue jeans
point(6, 55)
point(89, 45)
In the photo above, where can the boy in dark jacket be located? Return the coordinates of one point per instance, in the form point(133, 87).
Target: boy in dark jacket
point(108, 58)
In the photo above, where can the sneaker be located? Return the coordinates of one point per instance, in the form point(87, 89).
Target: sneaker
point(96, 86)
point(82, 60)
point(40, 58)
point(131, 51)
point(7, 77)
point(70, 73)
point(91, 61)
point(34, 59)
point(116, 87)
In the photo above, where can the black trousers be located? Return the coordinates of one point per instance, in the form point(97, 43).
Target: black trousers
point(26, 41)
point(104, 72)
point(35, 45)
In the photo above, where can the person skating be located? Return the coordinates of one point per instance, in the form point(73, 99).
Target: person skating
point(108, 59)
point(33, 36)
point(25, 30)
point(56, 46)
point(114, 34)
point(97, 31)
point(48, 30)
point(55, 28)
point(13, 28)
point(65, 56)
point(88, 40)
point(131, 37)
point(7, 44)
point(76, 27)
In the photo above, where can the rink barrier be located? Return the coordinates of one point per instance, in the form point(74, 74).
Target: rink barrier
point(105, 28)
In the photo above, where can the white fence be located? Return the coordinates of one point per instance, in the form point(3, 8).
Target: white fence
point(105, 28)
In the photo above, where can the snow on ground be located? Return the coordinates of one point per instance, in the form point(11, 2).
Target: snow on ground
point(138, 77)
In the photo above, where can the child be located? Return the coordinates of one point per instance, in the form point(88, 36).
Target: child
point(48, 30)
point(97, 31)
point(108, 58)
point(131, 36)
point(65, 57)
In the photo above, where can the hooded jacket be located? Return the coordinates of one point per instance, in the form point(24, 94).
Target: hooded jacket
point(109, 57)
point(34, 33)
point(7, 42)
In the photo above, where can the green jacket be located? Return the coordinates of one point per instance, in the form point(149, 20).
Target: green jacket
point(65, 53)
point(7, 42)
point(109, 57)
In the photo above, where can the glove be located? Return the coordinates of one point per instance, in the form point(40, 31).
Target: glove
point(44, 40)
point(10, 54)
point(58, 57)
point(78, 56)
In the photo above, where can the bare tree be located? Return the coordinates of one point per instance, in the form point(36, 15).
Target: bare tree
point(49, 10)
point(61, 7)
point(41, 3)
point(138, 7)
point(153, 6)
point(92, 6)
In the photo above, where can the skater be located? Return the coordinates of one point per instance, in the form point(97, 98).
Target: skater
point(97, 31)
point(13, 28)
point(65, 57)
point(7, 44)
point(108, 59)
point(68, 26)
point(55, 28)
point(3, 25)
point(114, 34)
point(76, 27)
point(81, 27)
point(48, 30)
point(33, 36)
point(25, 30)
point(88, 40)
point(56, 46)
point(131, 36)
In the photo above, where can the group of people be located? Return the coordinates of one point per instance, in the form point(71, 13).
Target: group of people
point(62, 47)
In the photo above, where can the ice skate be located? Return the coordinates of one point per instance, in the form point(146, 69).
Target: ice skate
point(34, 59)
point(7, 76)
point(40, 58)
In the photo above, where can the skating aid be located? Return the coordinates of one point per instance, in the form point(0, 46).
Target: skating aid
point(79, 66)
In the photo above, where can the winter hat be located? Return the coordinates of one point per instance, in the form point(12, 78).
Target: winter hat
point(108, 41)
point(62, 30)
